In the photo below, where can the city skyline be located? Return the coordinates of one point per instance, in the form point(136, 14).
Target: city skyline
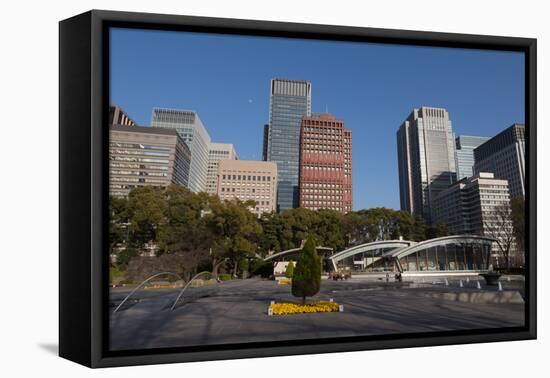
point(374, 115)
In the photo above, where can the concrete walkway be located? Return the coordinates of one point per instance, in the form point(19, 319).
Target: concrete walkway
point(236, 312)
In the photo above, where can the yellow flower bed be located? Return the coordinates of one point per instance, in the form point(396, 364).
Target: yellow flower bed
point(295, 308)
point(284, 282)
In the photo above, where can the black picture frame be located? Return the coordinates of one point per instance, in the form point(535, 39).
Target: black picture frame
point(83, 182)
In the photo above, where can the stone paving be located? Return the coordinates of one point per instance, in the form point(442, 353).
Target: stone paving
point(236, 312)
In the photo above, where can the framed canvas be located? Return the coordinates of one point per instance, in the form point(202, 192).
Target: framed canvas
point(235, 188)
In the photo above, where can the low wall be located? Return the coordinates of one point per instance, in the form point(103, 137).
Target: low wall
point(479, 297)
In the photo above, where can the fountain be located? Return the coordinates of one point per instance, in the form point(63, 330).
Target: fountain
point(185, 287)
point(143, 283)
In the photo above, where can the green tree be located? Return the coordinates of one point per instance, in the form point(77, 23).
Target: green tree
point(243, 267)
point(404, 222)
point(419, 229)
point(289, 273)
point(436, 231)
point(124, 256)
point(147, 214)
point(306, 281)
point(118, 225)
point(272, 231)
point(234, 230)
point(328, 229)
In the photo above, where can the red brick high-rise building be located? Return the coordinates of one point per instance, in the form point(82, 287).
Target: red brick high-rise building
point(325, 164)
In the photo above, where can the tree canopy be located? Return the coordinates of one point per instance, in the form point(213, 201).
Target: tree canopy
point(197, 230)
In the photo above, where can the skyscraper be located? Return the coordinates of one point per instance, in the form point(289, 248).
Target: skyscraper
point(117, 116)
point(189, 126)
point(464, 154)
point(504, 155)
point(217, 152)
point(325, 164)
point(143, 156)
point(425, 151)
point(290, 101)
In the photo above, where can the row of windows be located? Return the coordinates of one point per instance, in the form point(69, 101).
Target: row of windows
point(322, 168)
point(245, 190)
point(331, 126)
point(340, 209)
point(247, 177)
point(327, 151)
point(136, 159)
point(324, 191)
point(138, 152)
point(317, 200)
point(138, 180)
point(139, 146)
point(240, 184)
point(138, 173)
point(139, 166)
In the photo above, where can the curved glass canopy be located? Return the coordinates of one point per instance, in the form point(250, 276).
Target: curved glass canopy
point(456, 253)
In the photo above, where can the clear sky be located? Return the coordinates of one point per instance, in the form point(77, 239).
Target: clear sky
point(372, 87)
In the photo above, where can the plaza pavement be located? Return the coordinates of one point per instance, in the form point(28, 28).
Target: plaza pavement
point(236, 312)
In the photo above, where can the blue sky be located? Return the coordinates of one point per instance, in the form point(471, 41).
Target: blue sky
point(372, 87)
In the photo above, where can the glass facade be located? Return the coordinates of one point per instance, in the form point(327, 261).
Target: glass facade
point(446, 254)
point(290, 101)
point(448, 257)
point(190, 128)
point(504, 155)
point(140, 156)
point(426, 158)
point(369, 261)
point(464, 154)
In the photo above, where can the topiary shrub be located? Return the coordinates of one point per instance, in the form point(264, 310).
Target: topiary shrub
point(289, 269)
point(224, 277)
point(306, 281)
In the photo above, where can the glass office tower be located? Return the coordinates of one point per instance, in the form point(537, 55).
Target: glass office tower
point(290, 100)
point(426, 159)
point(504, 155)
point(189, 127)
point(464, 154)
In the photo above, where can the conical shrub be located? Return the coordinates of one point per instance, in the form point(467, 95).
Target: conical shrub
point(306, 280)
point(289, 272)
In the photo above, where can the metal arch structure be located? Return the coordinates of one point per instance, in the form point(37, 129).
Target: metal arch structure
point(438, 242)
point(143, 283)
point(293, 250)
point(395, 244)
point(185, 287)
point(452, 239)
